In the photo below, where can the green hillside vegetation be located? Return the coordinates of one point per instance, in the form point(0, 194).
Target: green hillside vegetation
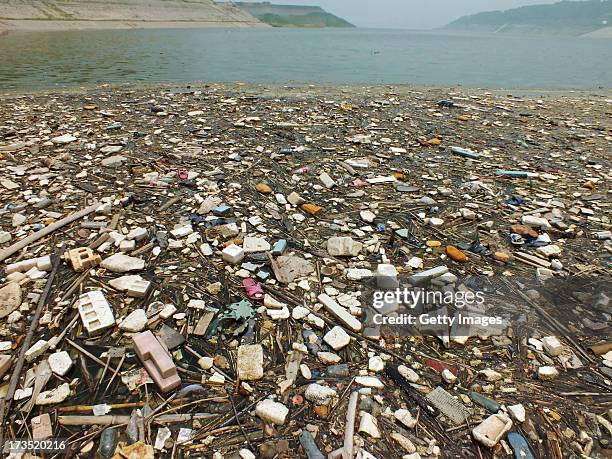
point(304, 20)
point(574, 17)
point(292, 15)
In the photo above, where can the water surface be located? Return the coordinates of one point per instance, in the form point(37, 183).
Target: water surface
point(75, 58)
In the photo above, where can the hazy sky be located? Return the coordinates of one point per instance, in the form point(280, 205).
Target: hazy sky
point(408, 14)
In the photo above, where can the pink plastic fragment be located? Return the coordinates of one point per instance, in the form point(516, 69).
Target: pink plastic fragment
point(157, 361)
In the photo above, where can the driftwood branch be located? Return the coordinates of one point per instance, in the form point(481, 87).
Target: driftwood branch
point(4, 254)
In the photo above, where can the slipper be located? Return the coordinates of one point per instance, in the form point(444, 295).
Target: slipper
point(253, 289)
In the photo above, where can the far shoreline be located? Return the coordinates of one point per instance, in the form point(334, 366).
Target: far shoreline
point(38, 25)
point(297, 89)
point(17, 26)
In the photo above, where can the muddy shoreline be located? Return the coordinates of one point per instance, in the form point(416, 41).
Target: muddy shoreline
point(310, 90)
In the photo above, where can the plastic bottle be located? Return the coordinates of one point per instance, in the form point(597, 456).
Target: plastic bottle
point(465, 152)
point(108, 442)
point(301, 170)
point(514, 174)
point(338, 371)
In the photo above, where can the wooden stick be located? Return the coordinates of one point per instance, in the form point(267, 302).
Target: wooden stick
point(99, 383)
point(170, 202)
point(238, 422)
point(42, 375)
point(349, 431)
point(143, 249)
point(56, 340)
point(75, 420)
point(76, 284)
point(84, 408)
point(346, 452)
point(4, 254)
point(115, 372)
point(89, 354)
point(114, 221)
point(115, 406)
point(585, 394)
point(99, 241)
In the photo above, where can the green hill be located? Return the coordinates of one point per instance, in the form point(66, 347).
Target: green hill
point(292, 15)
point(566, 17)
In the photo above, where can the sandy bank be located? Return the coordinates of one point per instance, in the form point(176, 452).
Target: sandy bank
point(605, 32)
point(51, 26)
point(88, 15)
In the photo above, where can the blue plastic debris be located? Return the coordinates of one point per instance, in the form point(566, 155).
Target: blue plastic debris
point(465, 152)
point(519, 446)
point(279, 247)
point(514, 174)
point(446, 103)
point(516, 239)
point(516, 201)
point(309, 445)
point(196, 219)
point(221, 210)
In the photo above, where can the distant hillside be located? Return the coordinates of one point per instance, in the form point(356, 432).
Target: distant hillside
point(566, 17)
point(101, 14)
point(292, 15)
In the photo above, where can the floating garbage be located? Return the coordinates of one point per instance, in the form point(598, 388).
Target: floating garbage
point(202, 272)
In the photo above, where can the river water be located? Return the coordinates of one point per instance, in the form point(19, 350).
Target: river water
point(77, 58)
